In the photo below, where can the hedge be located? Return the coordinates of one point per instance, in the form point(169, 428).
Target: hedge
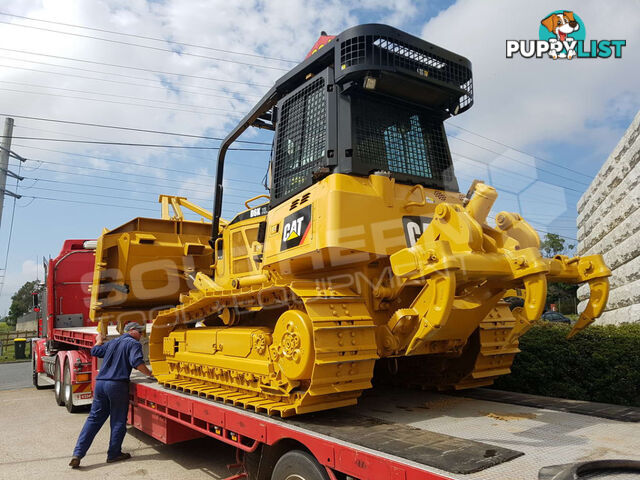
point(600, 364)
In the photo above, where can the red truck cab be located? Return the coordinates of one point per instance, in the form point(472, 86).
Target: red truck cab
point(61, 354)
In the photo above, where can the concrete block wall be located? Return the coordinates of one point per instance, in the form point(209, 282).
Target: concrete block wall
point(609, 224)
point(27, 323)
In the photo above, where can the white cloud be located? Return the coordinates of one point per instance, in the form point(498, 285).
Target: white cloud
point(30, 269)
point(526, 101)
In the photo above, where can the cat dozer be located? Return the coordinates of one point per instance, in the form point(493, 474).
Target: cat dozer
point(365, 251)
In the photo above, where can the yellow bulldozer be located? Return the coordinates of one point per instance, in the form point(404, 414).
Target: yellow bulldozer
point(364, 252)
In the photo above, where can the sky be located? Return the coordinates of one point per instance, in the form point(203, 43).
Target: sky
point(539, 129)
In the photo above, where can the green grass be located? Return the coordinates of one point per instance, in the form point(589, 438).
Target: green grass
point(8, 354)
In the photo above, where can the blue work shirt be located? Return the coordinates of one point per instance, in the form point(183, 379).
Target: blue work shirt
point(120, 356)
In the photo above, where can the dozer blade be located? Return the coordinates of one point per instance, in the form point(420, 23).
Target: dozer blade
point(599, 289)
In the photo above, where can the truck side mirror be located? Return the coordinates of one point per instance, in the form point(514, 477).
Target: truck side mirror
point(35, 300)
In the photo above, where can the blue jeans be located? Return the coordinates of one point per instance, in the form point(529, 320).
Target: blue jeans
point(110, 398)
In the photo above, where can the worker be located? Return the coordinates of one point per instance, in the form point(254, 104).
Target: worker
point(111, 394)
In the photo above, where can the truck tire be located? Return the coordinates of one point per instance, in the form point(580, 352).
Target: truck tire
point(67, 389)
point(57, 386)
point(298, 465)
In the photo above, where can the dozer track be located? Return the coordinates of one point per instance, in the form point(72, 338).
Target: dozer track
point(497, 350)
point(340, 353)
point(488, 354)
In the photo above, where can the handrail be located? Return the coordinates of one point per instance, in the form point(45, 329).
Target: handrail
point(178, 202)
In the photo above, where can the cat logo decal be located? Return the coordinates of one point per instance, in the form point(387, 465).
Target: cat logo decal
point(297, 227)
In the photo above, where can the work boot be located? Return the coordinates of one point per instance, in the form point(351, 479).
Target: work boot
point(75, 462)
point(119, 458)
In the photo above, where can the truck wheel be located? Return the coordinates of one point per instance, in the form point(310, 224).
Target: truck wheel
point(67, 389)
point(57, 386)
point(298, 465)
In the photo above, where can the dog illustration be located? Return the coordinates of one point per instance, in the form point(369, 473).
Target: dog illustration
point(561, 25)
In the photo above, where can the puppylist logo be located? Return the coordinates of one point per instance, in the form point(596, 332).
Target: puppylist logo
point(562, 36)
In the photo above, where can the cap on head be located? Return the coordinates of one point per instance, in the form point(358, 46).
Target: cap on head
point(133, 326)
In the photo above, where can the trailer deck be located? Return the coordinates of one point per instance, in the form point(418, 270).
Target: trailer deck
point(400, 433)
point(403, 434)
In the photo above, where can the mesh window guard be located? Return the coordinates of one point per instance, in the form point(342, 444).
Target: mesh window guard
point(388, 51)
point(399, 138)
point(301, 139)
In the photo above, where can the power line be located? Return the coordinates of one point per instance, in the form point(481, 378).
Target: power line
point(93, 194)
point(520, 151)
point(145, 201)
point(84, 27)
point(209, 198)
point(149, 201)
point(465, 157)
point(164, 102)
point(105, 187)
point(128, 174)
point(516, 174)
point(119, 180)
point(214, 148)
point(113, 74)
point(181, 188)
point(184, 53)
point(94, 142)
point(35, 197)
point(148, 47)
point(543, 231)
point(520, 161)
point(84, 203)
point(56, 132)
point(129, 104)
point(245, 149)
point(93, 62)
point(130, 129)
point(136, 200)
point(125, 162)
point(189, 189)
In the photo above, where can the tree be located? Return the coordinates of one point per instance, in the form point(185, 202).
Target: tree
point(564, 294)
point(553, 244)
point(21, 301)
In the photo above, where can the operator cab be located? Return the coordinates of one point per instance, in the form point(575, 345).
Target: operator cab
point(372, 99)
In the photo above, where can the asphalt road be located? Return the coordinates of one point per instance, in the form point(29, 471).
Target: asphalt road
point(37, 438)
point(15, 375)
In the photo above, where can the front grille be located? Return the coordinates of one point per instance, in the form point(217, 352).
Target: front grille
point(399, 138)
point(301, 139)
point(385, 51)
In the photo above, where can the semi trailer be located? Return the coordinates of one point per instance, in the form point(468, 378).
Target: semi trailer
point(264, 330)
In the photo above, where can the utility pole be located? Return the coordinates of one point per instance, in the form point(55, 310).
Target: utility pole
point(4, 160)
